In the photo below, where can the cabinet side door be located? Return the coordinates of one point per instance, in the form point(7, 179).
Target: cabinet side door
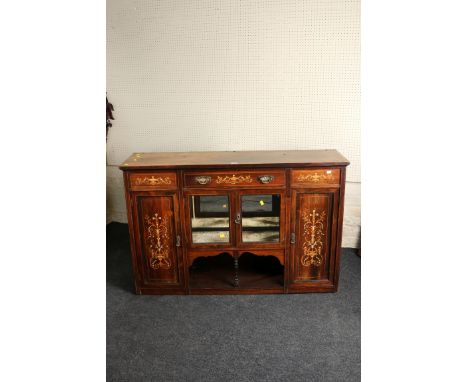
point(313, 227)
point(157, 247)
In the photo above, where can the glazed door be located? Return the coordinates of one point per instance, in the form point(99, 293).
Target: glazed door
point(260, 218)
point(313, 231)
point(159, 255)
point(209, 220)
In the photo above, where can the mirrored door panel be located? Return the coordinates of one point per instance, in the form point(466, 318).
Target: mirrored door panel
point(260, 218)
point(209, 219)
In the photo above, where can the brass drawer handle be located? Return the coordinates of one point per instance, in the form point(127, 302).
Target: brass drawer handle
point(238, 218)
point(266, 178)
point(203, 179)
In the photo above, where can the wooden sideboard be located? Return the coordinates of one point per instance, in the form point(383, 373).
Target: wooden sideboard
point(235, 222)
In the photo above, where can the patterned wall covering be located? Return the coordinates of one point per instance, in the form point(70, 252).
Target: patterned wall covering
point(234, 75)
point(198, 75)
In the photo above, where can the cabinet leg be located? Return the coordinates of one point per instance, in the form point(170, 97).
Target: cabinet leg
point(236, 271)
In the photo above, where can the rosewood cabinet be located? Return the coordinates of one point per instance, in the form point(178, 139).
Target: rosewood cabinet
point(235, 222)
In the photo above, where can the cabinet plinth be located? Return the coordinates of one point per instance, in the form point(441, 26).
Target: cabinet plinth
point(235, 222)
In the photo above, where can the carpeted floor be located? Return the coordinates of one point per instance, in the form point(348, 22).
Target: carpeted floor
point(308, 337)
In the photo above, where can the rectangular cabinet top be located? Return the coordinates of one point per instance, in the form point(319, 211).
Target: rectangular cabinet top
point(226, 159)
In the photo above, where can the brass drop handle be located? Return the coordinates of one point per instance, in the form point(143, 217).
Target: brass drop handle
point(238, 218)
point(266, 178)
point(203, 179)
point(177, 242)
point(293, 238)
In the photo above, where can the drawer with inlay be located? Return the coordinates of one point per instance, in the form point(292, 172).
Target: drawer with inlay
point(153, 181)
point(229, 179)
point(315, 177)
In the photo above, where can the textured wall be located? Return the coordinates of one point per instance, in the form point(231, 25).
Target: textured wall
point(232, 75)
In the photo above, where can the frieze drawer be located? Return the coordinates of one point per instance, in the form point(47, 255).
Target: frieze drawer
point(229, 179)
point(316, 177)
point(153, 181)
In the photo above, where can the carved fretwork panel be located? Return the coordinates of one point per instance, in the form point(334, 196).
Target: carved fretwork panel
point(313, 222)
point(158, 238)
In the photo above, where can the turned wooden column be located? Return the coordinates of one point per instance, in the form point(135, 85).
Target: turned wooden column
point(236, 269)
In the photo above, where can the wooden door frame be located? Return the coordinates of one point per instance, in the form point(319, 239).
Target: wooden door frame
point(283, 223)
point(145, 286)
point(320, 285)
point(188, 222)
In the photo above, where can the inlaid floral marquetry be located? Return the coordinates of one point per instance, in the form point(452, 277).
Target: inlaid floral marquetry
point(234, 179)
point(305, 178)
point(312, 177)
point(314, 226)
point(152, 181)
point(242, 179)
point(157, 241)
